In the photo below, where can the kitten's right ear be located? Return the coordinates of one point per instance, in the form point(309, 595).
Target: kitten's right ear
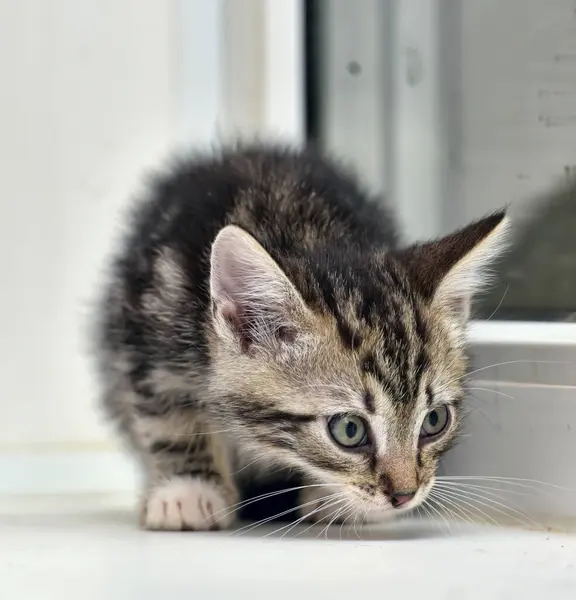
point(254, 303)
point(450, 270)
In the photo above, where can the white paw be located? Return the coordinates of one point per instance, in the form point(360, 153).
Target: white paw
point(321, 505)
point(185, 503)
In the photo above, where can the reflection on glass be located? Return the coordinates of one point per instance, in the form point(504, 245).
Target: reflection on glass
point(505, 76)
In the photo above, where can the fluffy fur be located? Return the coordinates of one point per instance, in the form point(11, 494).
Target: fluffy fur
point(258, 294)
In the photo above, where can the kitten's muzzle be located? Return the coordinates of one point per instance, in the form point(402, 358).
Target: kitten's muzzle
point(400, 484)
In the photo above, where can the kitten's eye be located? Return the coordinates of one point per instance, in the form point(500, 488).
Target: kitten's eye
point(348, 430)
point(435, 422)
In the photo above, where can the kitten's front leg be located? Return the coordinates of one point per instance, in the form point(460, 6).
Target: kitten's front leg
point(189, 486)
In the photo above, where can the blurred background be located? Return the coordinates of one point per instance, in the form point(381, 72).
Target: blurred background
point(450, 109)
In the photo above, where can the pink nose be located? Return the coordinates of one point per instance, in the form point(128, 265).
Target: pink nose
point(399, 500)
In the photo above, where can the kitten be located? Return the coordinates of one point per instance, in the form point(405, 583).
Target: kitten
point(262, 311)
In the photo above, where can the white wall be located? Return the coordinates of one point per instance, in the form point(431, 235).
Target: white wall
point(515, 119)
point(91, 93)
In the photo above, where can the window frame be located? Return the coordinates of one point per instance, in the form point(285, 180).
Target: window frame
point(416, 38)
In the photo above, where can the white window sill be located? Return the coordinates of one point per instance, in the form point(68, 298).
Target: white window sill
point(99, 550)
point(519, 333)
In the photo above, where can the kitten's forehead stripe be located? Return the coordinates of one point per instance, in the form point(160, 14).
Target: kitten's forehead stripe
point(369, 365)
point(419, 460)
point(327, 290)
point(369, 402)
point(422, 365)
point(429, 396)
point(334, 463)
point(173, 447)
point(373, 461)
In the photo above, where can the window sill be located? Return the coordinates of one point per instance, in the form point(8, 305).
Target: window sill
point(528, 333)
point(97, 548)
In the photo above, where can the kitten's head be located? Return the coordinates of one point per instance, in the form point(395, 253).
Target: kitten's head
point(349, 367)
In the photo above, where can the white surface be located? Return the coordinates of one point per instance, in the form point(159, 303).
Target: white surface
point(86, 552)
point(355, 104)
point(90, 96)
point(517, 333)
point(417, 133)
point(284, 69)
point(45, 469)
point(515, 115)
point(93, 95)
point(511, 432)
point(197, 70)
point(263, 65)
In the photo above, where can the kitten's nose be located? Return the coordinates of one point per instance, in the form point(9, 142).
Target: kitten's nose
point(399, 500)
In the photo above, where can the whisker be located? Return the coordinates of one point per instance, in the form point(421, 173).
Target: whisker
point(491, 391)
point(499, 303)
point(261, 457)
point(328, 386)
point(492, 504)
point(453, 509)
point(307, 516)
point(451, 515)
point(513, 481)
point(257, 524)
point(465, 489)
point(477, 409)
point(468, 515)
point(205, 432)
point(481, 488)
point(442, 517)
point(344, 522)
point(315, 523)
point(447, 498)
point(428, 514)
point(328, 502)
point(475, 508)
point(515, 362)
point(356, 515)
point(470, 495)
point(340, 511)
point(249, 501)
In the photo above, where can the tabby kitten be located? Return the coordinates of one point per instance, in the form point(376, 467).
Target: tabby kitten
point(261, 311)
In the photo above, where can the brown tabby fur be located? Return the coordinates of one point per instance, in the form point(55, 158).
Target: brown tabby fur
point(259, 293)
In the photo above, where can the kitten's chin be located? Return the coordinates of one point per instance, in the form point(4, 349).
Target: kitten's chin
point(380, 515)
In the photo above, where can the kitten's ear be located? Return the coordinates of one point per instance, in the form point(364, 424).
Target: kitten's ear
point(452, 269)
point(253, 300)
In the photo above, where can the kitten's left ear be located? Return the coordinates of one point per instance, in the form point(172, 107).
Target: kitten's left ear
point(254, 302)
point(452, 269)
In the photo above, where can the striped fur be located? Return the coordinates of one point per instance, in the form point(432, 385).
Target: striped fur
point(258, 293)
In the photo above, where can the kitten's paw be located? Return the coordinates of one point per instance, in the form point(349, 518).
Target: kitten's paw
point(324, 505)
point(186, 503)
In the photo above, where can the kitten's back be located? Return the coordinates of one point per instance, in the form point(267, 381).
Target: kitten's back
point(294, 202)
point(290, 201)
point(275, 193)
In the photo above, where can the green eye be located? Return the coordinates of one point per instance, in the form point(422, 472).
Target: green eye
point(348, 431)
point(435, 422)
